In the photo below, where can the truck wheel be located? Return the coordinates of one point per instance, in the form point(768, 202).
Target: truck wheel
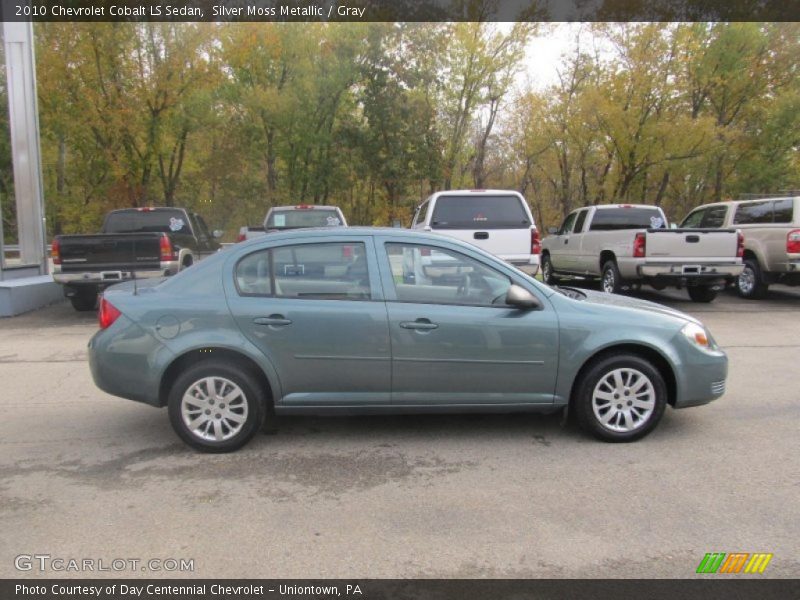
point(750, 284)
point(84, 302)
point(620, 398)
point(701, 293)
point(547, 271)
point(611, 281)
point(216, 406)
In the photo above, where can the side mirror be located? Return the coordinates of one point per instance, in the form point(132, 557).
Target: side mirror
point(552, 230)
point(218, 233)
point(522, 298)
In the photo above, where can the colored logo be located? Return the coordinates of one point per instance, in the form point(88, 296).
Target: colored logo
point(735, 562)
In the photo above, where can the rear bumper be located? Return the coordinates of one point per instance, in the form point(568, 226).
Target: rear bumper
point(102, 279)
point(690, 272)
point(521, 260)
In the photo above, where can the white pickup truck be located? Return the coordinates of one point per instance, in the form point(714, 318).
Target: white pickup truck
point(281, 218)
point(625, 244)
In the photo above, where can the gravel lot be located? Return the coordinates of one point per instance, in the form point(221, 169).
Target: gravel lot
point(87, 475)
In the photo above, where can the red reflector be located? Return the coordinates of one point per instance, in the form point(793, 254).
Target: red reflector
point(536, 242)
point(242, 237)
point(107, 313)
point(739, 244)
point(55, 251)
point(167, 253)
point(793, 242)
point(303, 206)
point(639, 245)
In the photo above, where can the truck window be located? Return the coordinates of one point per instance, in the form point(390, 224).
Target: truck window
point(784, 210)
point(580, 220)
point(694, 219)
point(612, 219)
point(714, 217)
point(566, 226)
point(419, 216)
point(147, 221)
point(753, 212)
point(479, 212)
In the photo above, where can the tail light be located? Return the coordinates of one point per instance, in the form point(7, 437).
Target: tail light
point(167, 252)
point(242, 237)
point(107, 313)
point(793, 242)
point(55, 251)
point(639, 245)
point(536, 242)
point(740, 244)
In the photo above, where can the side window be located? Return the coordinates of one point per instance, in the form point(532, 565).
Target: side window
point(580, 221)
point(329, 271)
point(432, 275)
point(566, 226)
point(694, 219)
point(202, 228)
point(253, 274)
point(715, 217)
point(753, 212)
point(783, 210)
point(419, 216)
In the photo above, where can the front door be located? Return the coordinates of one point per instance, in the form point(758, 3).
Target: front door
point(312, 309)
point(454, 341)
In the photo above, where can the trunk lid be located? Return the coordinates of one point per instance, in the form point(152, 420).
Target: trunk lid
point(702, 244)
point(113, 252)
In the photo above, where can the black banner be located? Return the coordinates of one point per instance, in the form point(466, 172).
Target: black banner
point(713, 588)
point(400, 10)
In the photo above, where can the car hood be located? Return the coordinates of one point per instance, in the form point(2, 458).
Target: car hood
point(593, 297)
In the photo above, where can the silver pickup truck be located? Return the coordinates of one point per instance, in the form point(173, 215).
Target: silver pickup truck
point(625, 244)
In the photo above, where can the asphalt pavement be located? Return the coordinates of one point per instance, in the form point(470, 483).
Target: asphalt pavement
point(84, 475)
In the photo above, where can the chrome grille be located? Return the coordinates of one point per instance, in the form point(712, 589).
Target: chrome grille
point(718, 387)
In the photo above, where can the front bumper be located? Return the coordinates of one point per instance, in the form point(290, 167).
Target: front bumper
point(703, 378)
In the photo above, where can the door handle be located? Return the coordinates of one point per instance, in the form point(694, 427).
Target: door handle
point(273, 321)
point(419, 325)
point(481, 235)
point(566, 240)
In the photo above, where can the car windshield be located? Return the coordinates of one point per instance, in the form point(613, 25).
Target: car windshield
point(303, 217)
point(479, 212)
point(609, 219)
point(147, 221)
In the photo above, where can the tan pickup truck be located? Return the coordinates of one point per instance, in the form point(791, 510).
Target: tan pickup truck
point(632, 244)
point(771, 228)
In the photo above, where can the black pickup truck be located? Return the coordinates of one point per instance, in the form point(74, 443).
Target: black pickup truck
point(133, 243)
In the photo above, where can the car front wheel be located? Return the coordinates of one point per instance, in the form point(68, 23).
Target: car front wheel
point(620, 398)
point(215, 406)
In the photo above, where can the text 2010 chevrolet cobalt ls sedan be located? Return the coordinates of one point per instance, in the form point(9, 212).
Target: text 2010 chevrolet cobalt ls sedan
point(388, 321)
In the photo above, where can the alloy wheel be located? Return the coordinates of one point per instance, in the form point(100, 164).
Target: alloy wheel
point(214, 409)
point(624, 400)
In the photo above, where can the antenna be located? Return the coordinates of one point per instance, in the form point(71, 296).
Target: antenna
point(135, 286)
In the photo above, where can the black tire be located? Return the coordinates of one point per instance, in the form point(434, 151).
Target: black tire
point(84, 302)
point(253, 396)
point(548, 275)
point(610, 279)
point(701, 293)
point(750, 284)
point(583, 400)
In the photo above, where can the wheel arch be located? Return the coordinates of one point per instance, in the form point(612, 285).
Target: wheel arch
point(644, 351)
point(605, 256)
point(198, 355)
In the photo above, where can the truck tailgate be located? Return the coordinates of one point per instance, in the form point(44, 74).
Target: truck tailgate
point(112, 252)
point(706, 245)
point(500, 242)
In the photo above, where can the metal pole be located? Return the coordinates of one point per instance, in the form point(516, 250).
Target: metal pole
point(23, 117)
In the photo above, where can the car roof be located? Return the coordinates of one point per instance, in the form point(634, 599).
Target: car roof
point(323, 232)
point(624, 205)
point(478, 192)
point(305, 207)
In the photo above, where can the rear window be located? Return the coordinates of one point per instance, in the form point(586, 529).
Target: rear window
point(135, 221)
point(294, 219)
point(479, 212)
point(611, 219)
point(754, 212)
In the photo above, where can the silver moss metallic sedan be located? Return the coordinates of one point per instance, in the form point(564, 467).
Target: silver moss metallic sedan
point(390, 321)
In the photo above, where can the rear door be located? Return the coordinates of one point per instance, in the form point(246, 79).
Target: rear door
point(454, 341)
point(498, 223)
point(316, 311)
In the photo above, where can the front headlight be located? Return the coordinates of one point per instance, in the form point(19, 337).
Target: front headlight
point(699, 336)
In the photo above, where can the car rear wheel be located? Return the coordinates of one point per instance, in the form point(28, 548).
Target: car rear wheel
point(611, 280)
point(547, 271)
point(750, 283)
point(215, 406)
point(701, 293)
point(620, 398)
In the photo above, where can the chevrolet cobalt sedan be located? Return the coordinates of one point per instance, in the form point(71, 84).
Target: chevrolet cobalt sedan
point(379, 321)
